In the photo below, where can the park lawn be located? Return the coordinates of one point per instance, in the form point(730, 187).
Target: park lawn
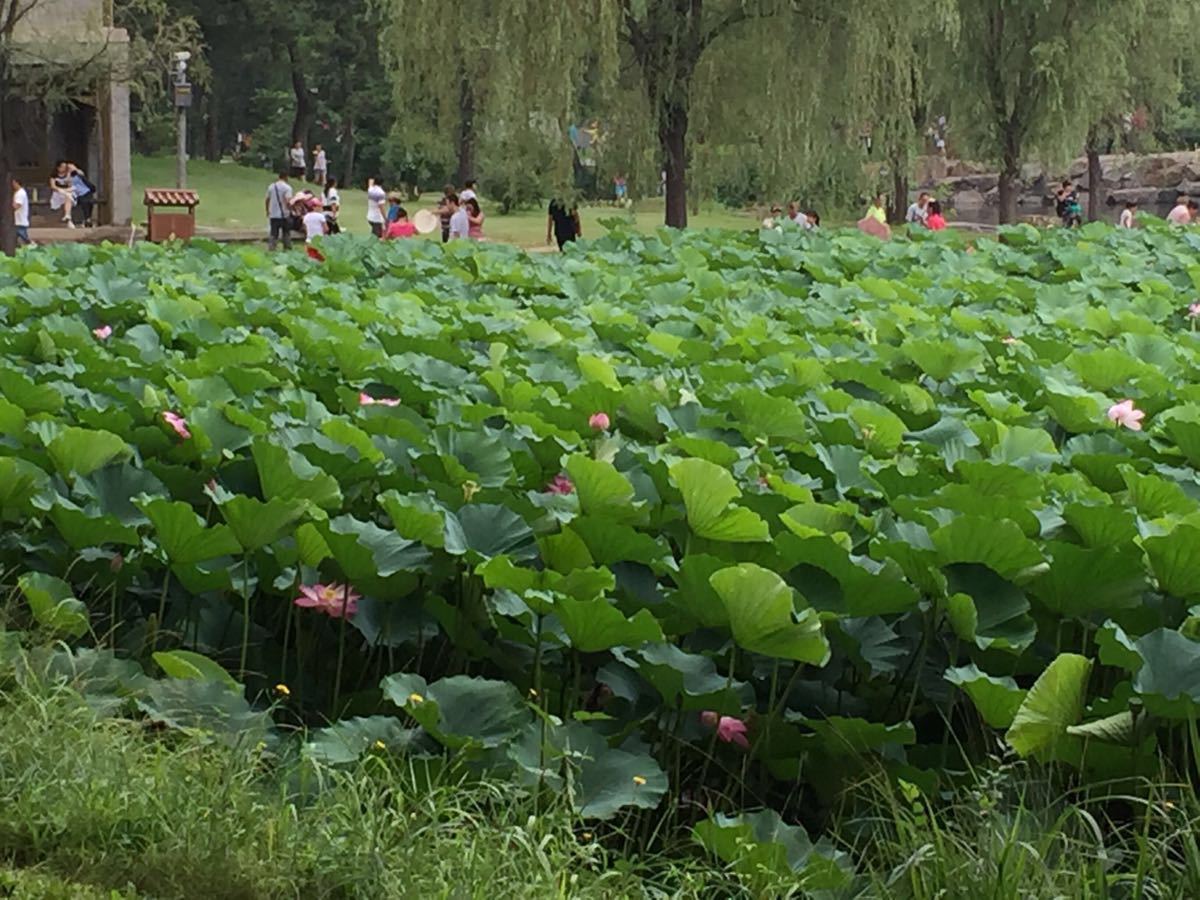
point(231, 196)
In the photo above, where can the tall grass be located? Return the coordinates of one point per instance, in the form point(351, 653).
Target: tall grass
point(99, 802)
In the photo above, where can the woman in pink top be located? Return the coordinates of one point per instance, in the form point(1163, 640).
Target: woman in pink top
point(474, 220)
point(935, 221)
point(400, 227)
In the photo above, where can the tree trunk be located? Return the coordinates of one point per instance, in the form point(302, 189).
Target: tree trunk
point(212, 131)
point(348, 148)
point(1010, 176)
point(899, 191)
point(466, 131)
point(8, 225)
point(302, 121)
point(1095, 183)
point(672, 134)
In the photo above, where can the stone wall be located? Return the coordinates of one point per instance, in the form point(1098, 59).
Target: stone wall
point(1151, 179)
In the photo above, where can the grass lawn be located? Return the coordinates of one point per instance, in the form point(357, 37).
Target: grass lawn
point(231, 196)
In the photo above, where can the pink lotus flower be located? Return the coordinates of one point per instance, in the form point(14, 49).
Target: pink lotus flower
point(1194, 310)
point(730, 729)
point(365, 399)
point(1124, 413)
point(177, 422)
point(103, 332)
point(561, 485)
point(335, 600)
point(599, 421)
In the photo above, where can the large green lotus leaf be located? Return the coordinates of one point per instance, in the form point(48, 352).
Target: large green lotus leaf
point(348, 740)
point(1053, 704)
point(1119, 728)
point(80, 529)
point(285, 474)
point(487, 530)
point(20, 482)
point(1175, 560)
point(942, 359)
point(365, 551)
point(594, 625)
point(188, 664)
point(881, 429)
point(762, 615)
point(475, 456)
point(1182, 424)
point(53, 604)
point(846, 465)
point(1076, 409)
point(1026, 448)
point(255, 523)
point(602, 490)
point(30, 396)
point(998, 613)
point(868, 588)
point(611, 780)
point(759, 844)
point(1169, 678)
point(12, 418)
point(612, 542)
point(565, 552)
point(416, 516)
point(311, 546)
point(996, 543)
point(210, 424)
point(460, 711)
point(1117, 648)
point(760, 415)
point(997, 699)
point(690, 680)
point(81, 451)
point(1106, 368)
point(182, 535)
point(695, 594)
point(1154, 496)
point(842, 735)
point(1101, 526)
point(708, 491)
point(207, 708)
point(1081, 582)
point(871, 643)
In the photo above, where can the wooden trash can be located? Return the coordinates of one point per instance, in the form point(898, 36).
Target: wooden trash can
point(164, 221)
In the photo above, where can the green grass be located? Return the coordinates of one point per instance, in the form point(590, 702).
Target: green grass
point(231, 196)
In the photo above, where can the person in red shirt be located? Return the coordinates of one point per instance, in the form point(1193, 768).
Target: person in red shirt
point(400, 227)
point(935, 221)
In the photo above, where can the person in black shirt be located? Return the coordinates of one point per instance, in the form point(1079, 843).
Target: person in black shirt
point(563, 222)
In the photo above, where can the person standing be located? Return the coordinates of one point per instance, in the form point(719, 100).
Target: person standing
point(444, 212)
point(20, 205)
point(376, 207)
point(320, 165)
point(563, 223)
point(296, 160)
point(474, 219)
point(315, 226)
point(468, 192)
point(1128, 215)
point(279, 211)
point(460, 222)
point(62, 194)
point(333, 205)
point(919, 211)
point(878, 210)
point(620, 189)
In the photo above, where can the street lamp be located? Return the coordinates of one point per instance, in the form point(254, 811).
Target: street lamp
point(182, 91)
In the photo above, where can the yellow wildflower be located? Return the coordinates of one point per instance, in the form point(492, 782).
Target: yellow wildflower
point(639, 780)
point(283, 690)
point(415, 698)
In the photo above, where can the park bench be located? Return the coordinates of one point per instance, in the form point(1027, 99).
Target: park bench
point(37, 184)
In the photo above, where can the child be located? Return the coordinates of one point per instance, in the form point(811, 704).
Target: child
point(320, 165)
point(315, 226)
point(935, 221)
point(1127, 215)
point(474, 220)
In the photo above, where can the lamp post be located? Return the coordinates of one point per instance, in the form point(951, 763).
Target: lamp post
point(182, 90)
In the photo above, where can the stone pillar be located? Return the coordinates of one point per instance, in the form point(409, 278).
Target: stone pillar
point(120, 174)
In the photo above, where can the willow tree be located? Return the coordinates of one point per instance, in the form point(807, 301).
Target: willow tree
point(1022, 81)
point(465, 67)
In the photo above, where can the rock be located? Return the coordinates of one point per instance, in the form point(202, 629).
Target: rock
point(1143, 196)
point(961, 183)
point(967, 200)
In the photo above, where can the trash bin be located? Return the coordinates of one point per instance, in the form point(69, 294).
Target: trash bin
point(163, 220)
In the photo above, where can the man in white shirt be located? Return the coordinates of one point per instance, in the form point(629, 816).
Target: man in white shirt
point(376, 207)
point(279, 210)
point(1128, 215)
point(20, 205)
point(919, 211)
point(468, 192)
point(460, 223)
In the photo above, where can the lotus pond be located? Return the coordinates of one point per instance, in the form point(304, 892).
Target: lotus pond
point(691, 522)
